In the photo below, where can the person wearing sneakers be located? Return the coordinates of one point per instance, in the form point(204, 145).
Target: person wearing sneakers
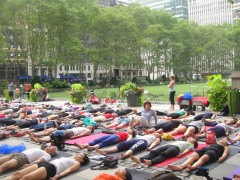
point(108, 140)
point(212, 153)
point(133, 146)
point(173, 149)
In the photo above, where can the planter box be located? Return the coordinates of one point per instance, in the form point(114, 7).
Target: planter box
point(133, 101)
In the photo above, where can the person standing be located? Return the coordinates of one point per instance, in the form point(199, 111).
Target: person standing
point(10, 87)
point(172, 90)
point(28, 89)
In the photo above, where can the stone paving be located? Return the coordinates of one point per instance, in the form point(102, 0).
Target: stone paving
point(218, 172)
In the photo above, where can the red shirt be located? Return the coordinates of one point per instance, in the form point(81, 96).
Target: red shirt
point(108, 116)
point(122, 136)
point(2, 116)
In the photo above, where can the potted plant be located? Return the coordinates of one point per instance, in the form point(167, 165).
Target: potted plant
point(38, 93)
point(133, 93)
point(78, 93)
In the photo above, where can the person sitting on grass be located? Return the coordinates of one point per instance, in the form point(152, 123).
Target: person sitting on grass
point(163, 127)
point(178, 115)
point(191, 128)
point(212, 153)
point(108, 140)
point(173, 149)
point(120, 174)
point(221, 129)
point(68, 134)
point(133, 146)
point(53, 170)
point(26, 158)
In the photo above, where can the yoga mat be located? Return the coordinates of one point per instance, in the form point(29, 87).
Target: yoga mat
point(210, 166)
point(62, 154)
point(170, 160)
point(230, 176)
point(138, 175)
point(85, 139)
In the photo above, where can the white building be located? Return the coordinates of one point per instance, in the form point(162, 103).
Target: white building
point(215, 12)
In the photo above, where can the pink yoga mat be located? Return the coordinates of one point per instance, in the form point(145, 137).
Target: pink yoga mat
point(85, 139)
point(170, 160)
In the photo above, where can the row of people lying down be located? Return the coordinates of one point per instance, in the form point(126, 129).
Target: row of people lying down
point(37, 166)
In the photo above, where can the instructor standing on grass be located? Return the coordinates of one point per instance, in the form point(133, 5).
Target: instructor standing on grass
point(172, 90)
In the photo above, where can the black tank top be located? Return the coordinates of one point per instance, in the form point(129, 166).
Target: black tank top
point(217, 147)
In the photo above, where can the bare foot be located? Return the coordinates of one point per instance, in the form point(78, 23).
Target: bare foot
point(230, 140)
point(135, 159)
point(148, 162)
point(81, 146)
point(189, 168)
point(122, 156)
point(90, 148)
point(175, 167)
point(102, 152)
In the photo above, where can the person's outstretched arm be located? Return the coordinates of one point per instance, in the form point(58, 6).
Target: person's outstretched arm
point(225, 154)
point(73, 168)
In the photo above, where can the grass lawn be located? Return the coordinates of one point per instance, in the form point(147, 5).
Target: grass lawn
point(195, 89)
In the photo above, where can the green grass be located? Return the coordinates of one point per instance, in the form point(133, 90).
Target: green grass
point(195, 89)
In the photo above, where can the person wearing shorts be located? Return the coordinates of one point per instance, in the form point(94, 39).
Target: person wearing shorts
point(133, 146)
point(212, 153)
point(173, 149)
point(108, 140)
point(221, 129)
point(189, 129)
point(54, 169)
point(118, 123)
point(163, 127)
point(30, 156)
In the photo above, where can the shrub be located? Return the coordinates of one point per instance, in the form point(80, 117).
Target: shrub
point(217, 91)
point(78, 93)
point(58, 84)
point(113, 81)
point(6, 94)
point(130, 89)
point(38, 92)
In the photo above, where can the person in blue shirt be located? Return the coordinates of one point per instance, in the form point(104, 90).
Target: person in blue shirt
point(10, 87)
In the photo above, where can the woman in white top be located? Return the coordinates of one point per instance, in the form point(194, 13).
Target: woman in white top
point(133, 146)
point(171, 90)
point(55, 169)
point(25, 158)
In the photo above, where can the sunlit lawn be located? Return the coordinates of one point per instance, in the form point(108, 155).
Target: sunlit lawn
point(195, 89)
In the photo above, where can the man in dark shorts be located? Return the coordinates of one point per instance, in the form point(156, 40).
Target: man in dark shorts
point(163, 127)
point(212, 153)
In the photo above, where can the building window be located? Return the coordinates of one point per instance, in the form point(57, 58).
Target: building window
point(89, 68)
point(89, 75)
point(84, 67)
point(60, 68)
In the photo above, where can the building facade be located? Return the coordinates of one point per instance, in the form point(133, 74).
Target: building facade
point(179, 8)
point(214, 12)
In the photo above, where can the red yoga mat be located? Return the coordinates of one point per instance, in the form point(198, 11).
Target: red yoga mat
point(85, 139)
point(170, 160)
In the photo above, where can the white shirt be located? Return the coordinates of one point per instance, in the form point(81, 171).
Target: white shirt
point(149, 138)
point(79, 130)
point(35, 153)
point(62, 164)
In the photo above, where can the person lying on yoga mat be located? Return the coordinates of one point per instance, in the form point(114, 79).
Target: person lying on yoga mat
point(212, 153)
point(235, 139)
point(163, 127)
point(133, 146)
point(104, 117)
point(108, 140)
point(23, 159)
point(118, 123)
point(178, 115)
point(173, 149)
point(205, 115)
point(191, 128)
point(143, 119)
point(221, 129)
point(68, 134)
point(231, 121)
point(236, 176)
point(119, 174)
point(53, 170)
